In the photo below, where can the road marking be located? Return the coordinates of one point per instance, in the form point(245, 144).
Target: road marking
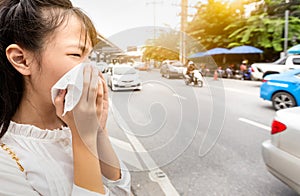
point(179, 96)
point(264, 127)
point(124, 145)
point(151, 85)
point(155, 174)
point(126, 152)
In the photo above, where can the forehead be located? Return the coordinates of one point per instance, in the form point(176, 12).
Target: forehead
point(71, 31)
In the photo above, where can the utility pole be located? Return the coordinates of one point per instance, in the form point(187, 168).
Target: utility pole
point(183, 24)
point(286, 29)
point(154, 3)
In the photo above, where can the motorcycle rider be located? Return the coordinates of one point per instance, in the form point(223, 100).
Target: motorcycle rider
point(190, 71)
point(245, 70)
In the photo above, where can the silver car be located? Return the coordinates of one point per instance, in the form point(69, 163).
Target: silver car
point(281, 153)
point(172, 68)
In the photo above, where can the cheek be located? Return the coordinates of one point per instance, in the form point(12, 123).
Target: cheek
point(49, 76)
point(56, 74)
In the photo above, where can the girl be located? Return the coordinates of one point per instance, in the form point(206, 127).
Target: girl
point(41, 151)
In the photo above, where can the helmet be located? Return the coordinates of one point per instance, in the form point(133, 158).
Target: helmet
point(191, 63)
point(244, 61)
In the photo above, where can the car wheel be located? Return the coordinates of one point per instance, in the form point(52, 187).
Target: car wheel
point(113, 88)
point(282, 100)
point(200, 83)
point(168, 75)
point(162, 74)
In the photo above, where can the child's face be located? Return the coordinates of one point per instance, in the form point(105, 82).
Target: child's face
point(63, 51)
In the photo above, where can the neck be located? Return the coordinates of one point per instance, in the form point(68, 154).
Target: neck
point(37, 113)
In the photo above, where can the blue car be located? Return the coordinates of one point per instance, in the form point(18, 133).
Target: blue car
point(282, 89)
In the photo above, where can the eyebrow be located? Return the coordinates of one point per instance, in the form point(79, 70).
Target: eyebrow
point(82, 47)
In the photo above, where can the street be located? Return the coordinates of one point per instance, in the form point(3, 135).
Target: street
point(182, 140)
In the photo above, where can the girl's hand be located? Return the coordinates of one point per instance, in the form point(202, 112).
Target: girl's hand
point(90, 114)
point(102, 103)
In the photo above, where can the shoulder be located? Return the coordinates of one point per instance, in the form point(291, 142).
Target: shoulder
point(12, 179)
point(7, 164)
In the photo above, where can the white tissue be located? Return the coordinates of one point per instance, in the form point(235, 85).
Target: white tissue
point(73, 82)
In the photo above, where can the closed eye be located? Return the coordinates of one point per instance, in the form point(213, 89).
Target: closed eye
point(76, 55)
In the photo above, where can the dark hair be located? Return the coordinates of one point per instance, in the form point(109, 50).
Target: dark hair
point(28, 23)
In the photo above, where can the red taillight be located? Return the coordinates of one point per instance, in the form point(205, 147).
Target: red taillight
point(252, 70)
point(264, 80)
point(277, 127)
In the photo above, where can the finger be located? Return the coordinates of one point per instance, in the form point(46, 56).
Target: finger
point(93, 88)
point(99, 99)
point(105, 96)
point(86, 82)
point(105, 88)
point(59, 102)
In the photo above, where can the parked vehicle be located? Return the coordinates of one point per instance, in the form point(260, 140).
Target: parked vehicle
point(228, 73)
point(205, 72)
point(123, 77)
point(260, 70)
point(102, 66)
point(197, 79)
point(172, 68)
point(138, 64)
point(281, 153)
point(282, 89)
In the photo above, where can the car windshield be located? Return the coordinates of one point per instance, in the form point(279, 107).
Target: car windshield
point(176, 64)
point(101, 64)
point(280, 61)
point(124, 70)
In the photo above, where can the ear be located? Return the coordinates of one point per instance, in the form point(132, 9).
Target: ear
point(18, 57)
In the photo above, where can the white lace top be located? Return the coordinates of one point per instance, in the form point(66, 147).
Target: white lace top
point(46, 156)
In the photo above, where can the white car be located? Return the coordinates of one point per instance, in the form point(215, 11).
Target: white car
point(281, 154)
point(123, 77)
point(260, 70)
point(102, 66)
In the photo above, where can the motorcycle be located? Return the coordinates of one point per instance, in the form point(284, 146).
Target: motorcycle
point(197, 79)
point(243, 75)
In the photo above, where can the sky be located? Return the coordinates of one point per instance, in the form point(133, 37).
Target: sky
point(130, 22)
point(114, 16)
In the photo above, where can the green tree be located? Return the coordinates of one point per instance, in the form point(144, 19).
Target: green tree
point(165, 46)
point(219, 24)
point(210, 22)
point(265, 27)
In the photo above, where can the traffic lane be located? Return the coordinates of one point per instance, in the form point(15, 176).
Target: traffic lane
point(235, 161)
point(214, 180)
point(159, 119)
point(242, 154)
point(119, 97)
point(244, 101)
point(123, 103)
point(251, 105)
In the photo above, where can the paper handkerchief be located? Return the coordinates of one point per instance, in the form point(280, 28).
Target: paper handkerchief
point(73, 82)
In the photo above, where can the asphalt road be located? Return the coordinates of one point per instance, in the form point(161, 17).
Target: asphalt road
point(182, 140)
